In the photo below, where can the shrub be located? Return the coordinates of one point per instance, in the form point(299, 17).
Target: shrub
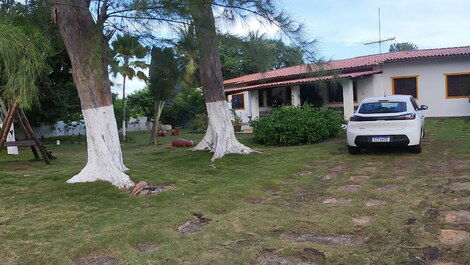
point(297, 125)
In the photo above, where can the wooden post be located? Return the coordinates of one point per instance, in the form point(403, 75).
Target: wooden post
point(30, 131)
point(28, 136)
point(7, 123)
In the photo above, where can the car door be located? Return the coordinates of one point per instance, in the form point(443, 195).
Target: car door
point(419, 113)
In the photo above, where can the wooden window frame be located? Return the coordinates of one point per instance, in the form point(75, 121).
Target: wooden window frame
point(238, 94)
point(401, 77)
point(447, 85)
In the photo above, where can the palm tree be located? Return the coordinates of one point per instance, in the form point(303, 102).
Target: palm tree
point(128, 50)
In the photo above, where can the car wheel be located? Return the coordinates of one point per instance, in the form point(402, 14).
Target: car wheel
point(415, 148)
point(354, 150)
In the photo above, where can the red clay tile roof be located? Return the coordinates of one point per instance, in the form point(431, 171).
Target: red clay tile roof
point(363, 61)
point(299, 81)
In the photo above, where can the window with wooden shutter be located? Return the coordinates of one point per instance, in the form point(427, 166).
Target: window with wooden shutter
point(238, 101)
point(458, 85)
point(407, 85)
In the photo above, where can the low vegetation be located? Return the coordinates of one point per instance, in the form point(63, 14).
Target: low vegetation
point(297, 125)
point(311, 203)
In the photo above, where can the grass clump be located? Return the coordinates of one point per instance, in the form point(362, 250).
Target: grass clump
point(290, 125)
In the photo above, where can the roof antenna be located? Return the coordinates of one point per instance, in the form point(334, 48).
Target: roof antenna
point(380, 40)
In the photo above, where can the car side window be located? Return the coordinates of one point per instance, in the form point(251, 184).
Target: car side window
point(415, 105)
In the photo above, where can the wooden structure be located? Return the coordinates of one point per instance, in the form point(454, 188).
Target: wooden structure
point(31, 139)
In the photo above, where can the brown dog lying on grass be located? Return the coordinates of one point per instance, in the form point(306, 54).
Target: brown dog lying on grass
point(183, 143)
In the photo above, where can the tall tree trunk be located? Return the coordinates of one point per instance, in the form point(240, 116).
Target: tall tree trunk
point(86, 48)
point(124, 108)
point(156, 121)
point(220, 136)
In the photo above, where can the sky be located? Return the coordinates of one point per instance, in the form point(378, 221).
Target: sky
point(342, 26)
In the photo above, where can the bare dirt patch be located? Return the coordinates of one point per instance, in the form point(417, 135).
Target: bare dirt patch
point(389, 187)
point(457, 217)
point(303, 173)
point(458, 186)
point(350, 187)
point(339, 168)
point(462, 200)
point(443, 263)
point(254, 201)
point(362, 220)
point(342, 240)
point(13, 166)
point(143, 188)
point(97, 260)
point(194, 225)
point(374, 203)
point(306, 197)
point(359, 179)
point(454, 237)
point(277, 260)
point(337, 201)
point(146, 247)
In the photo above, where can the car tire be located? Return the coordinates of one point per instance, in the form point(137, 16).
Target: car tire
point(354, 150)
point(415, 148)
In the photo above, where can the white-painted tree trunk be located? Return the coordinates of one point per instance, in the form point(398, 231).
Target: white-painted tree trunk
point(220, 136)
point(105, 160)
point(124, 129)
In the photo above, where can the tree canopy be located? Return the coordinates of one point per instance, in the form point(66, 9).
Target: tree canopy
point(23, 52)
point(403, 46)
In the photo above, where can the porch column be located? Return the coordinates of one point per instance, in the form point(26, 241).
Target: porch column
point(348, 98)
point(254, 104)
point(295, 95)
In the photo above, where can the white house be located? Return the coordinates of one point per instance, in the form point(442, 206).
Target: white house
point(439, 78)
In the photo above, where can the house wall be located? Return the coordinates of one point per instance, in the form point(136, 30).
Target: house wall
point(246, 111)
point(431, 86)
point(431, 83)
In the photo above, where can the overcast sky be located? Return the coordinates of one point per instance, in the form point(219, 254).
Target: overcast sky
point(341, 26)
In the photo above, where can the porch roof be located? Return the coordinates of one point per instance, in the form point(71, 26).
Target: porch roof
point(300, 81)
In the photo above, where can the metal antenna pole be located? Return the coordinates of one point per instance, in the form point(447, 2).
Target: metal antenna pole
point(380, 40)
point(380, 35)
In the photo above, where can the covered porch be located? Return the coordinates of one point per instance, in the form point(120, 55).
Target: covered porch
point(342, 92)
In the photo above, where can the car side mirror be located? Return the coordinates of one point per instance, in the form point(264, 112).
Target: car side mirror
point(423, 107)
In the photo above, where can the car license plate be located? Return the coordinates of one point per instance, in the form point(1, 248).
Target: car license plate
point(381, 139)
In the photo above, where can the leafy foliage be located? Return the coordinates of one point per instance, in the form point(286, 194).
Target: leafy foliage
point(141, 103)
point(185, 108)
point(290, 125)
point(255, 53)
point(164, 73)
point(403, 46)
point(57, 95)
point(23, 53)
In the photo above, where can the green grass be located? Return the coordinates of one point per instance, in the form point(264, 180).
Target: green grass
point(257, 197)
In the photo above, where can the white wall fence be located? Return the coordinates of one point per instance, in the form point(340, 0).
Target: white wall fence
point(78, 128)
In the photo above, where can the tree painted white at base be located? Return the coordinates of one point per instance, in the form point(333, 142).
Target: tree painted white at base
point(220, 136)
point(105, 160)
point(12, 150)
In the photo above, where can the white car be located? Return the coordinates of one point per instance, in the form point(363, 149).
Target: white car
point(386, 121)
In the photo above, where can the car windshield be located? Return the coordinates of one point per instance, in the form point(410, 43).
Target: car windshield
point(382, 107)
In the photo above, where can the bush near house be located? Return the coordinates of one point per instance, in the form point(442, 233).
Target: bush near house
point(297, 125)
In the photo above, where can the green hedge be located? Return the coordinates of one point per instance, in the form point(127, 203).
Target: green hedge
point(297, 125)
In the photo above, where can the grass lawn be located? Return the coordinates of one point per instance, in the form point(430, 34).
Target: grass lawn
point(284, 204)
